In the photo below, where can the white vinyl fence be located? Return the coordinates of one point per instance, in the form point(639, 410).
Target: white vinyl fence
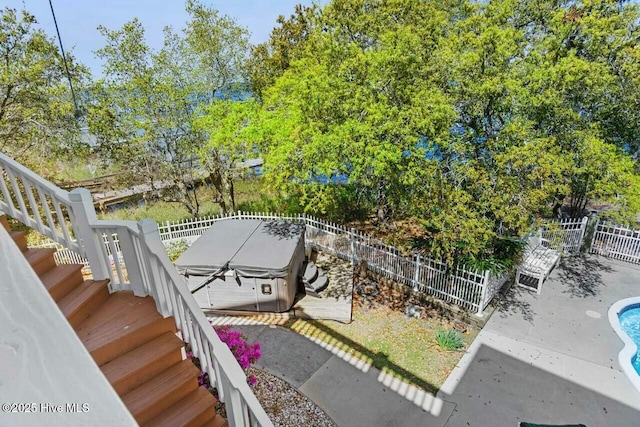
point(567, 236)
point(616, 242)
point(467, 288)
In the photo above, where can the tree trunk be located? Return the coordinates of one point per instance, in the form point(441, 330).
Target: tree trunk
point(228, 192)
point(382, 202)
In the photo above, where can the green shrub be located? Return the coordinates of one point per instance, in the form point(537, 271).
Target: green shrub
point(175, 249)
point(449, 340)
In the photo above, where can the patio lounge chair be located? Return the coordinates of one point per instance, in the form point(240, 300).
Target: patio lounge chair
point(537, 263)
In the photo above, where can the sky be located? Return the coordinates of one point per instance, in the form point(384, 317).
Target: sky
point(78, 19)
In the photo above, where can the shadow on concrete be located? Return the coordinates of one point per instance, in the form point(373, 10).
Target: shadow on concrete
point(510, 301)
point(500, 390)
point(582, 275)
point(379, 360)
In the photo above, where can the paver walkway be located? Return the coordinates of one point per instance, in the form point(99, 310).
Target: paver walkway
point(549, 358)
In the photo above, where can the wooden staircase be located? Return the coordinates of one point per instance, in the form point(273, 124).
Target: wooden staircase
point(135, 347)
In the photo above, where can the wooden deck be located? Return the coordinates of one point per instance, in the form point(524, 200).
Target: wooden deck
point(333, 303)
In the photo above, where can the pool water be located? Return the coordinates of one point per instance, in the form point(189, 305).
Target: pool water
point(630, 323)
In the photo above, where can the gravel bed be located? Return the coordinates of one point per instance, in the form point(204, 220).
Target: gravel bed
point(285, 405)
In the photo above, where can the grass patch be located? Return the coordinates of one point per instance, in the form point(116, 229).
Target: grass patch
point(402, 347)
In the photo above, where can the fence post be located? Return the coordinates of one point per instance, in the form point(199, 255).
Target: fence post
point(353, 246)
point(583, 229)
point(169, 230)
point(91, 242)
point(594, 232)
point(483, 296)
point(416, 276)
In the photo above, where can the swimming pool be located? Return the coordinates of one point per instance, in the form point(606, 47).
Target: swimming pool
point(624, 317)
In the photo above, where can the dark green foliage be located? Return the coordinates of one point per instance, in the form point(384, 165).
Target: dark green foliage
point(449, 340)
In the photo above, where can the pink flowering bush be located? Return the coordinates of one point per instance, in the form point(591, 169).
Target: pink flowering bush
point(246, 354)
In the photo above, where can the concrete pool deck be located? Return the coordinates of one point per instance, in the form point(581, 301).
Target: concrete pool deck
point(553, 357)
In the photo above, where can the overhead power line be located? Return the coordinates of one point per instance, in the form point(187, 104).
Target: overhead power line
point(64, 59)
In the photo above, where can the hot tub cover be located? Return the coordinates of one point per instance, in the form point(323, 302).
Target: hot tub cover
point(251, 248)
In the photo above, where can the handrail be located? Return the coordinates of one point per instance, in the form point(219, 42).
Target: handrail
point(237, 381)
point(132, 256)
point(53, 220)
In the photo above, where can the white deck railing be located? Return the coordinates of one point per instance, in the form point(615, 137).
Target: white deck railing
point(132, 256)
point(616, 242)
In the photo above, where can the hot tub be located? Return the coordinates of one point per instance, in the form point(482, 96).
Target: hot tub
point(245, 265)
point(624, 317)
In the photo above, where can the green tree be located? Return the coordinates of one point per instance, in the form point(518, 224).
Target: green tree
point(475, 118)
point(357, 103)
point(217, 47)
point(231, 126)
point(270, 59)
point(143, 112)
point(37, 114)
point(146, 105)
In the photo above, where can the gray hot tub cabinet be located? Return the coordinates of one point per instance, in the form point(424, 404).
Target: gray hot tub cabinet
point(251, 265)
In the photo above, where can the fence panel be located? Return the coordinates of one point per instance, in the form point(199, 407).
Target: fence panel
point(616, 242)
point(569, 238)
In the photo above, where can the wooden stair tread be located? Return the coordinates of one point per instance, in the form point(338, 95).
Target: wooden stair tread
point(62, 279)
point(163, 390)
point(4, 222)
point(41, 260)
point(122, 317)
point(20, 237)
point(78, 304)
point(193, 410)
point(128, 371)
point(35, 255)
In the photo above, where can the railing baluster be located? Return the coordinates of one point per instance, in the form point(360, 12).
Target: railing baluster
point(24, 213)
point(7, 204)
point(39, 226)
point(47, 212)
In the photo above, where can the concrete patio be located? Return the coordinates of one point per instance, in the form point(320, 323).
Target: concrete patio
point(550, 358)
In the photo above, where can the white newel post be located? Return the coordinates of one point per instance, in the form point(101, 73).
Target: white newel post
point(151, 236)
point(91, 242)
point(133, 261)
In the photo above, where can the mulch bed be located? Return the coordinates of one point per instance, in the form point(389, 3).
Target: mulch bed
point(395, 297)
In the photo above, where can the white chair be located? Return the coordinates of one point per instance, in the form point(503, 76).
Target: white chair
point(537, 263)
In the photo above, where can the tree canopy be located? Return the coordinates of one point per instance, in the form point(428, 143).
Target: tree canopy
point(146, 105)
point(37, 114)
point(474, 118)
